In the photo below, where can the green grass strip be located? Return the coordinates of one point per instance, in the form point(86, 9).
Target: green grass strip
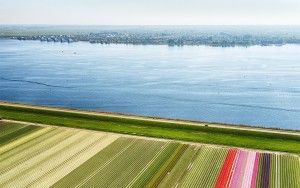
point(220, 136)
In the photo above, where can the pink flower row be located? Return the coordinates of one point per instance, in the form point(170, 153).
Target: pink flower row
point(243, 172)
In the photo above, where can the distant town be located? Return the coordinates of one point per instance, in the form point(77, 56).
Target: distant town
point(221, 36)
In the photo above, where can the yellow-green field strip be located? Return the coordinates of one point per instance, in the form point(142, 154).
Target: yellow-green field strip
point(50, 156)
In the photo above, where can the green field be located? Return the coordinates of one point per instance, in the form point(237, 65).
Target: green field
point(52, 156)
point(201, 134)
point(205, 168)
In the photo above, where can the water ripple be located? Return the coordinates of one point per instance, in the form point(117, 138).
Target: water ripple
point(34, 82)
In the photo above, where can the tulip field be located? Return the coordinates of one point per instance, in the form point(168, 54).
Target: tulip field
point(50, 156)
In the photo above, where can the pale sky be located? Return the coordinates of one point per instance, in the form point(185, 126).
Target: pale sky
point(151, 12)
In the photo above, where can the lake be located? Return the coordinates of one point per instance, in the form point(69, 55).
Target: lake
point(253, 86)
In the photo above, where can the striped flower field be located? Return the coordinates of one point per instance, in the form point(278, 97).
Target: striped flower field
point(253, 169)
point(33, 156)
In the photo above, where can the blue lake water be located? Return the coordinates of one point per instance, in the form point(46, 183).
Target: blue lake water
point(253, 86)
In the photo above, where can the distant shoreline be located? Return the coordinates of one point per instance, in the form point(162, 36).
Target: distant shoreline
point(71, 40)
point(216, 36)
point(243, 46)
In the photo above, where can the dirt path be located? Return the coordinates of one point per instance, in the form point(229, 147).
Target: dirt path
point(154, 119)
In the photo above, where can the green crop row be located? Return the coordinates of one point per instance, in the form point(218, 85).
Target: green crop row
point(119, 164)
point(7, 128)
point(167, 166)
point(84, 172)
point(155, 166)
point(16, 133)
point(27, 150)
point(273, 181)
point(128, 165)
point(205, 168)
point(180, 169)
point(289, 171)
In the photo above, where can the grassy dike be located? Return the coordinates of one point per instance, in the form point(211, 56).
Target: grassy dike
point(201, 134)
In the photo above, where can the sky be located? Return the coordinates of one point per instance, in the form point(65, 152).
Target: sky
point(150, 12)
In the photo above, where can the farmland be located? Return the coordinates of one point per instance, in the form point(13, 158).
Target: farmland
point(53, 156)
